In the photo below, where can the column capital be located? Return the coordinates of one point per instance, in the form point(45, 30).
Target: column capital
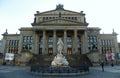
point(75, 29)
point(65, 30)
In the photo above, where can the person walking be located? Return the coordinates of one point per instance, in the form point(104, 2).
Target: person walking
point(102, 65)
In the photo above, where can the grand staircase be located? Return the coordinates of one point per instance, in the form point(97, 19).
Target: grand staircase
point(74, 60)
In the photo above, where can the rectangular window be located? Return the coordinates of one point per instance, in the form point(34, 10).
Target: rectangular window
point(30, 46)
point(27, 47)
point(43, 18)
point(40, 39)
point(78, 39)
point(31, 39)
point(27, 39)
point(24, 39)
point(17, 42)
point(69, 39)
point(75, 18)
point(12, 42)
point(50, 39)
point(95, 39)
point(9, 42)
point(110, 42)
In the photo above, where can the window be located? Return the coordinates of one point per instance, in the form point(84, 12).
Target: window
point(27, 39)
point(9, 42)
point(72, 18)
point(40, 39)
point(78, 39)
point(17, 42)
point(69, 45)
point(69, 51)
point(75, 18)
point(13, 42)
point(13, 50)
point(31, 39)
point(92, 40)
point(106, 42)
point(69, 39)
point(43, 18)
point(50, 51)
point(50, 39)
point(27, 47)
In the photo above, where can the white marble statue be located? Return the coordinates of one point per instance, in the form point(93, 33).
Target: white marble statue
point(59, 59)
point(60, 45)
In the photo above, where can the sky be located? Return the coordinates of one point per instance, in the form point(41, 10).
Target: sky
point(104, 14)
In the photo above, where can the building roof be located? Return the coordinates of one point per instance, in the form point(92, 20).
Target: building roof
point(59, 7)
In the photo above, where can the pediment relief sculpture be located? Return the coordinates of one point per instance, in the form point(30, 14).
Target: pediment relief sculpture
point(60, 21)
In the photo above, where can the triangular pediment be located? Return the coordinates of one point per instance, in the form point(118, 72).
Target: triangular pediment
point(60, 22)
point(62, 11)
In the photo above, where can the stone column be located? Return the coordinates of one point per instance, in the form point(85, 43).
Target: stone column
point(75, 50)
point(84, 43)
point(44, 42)
point(20, 44)
point(34, 49)
point(65, 42)
point(54, 43)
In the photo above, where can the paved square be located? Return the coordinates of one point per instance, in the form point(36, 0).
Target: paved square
point(23, 72)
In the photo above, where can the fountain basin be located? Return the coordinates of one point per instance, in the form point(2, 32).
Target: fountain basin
point(59, 70)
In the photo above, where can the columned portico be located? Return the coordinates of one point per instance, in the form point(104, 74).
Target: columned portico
point(46, 41)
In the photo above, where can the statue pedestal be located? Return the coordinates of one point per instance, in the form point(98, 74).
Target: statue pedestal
point(59, 60)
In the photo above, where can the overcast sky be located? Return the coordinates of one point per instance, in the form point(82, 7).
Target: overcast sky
point(104, 14)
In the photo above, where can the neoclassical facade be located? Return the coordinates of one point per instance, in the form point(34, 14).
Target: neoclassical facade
point(70, 26)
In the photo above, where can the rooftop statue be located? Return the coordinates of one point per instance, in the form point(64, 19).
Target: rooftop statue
point(59, 6)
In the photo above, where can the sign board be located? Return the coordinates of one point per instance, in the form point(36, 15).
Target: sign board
point(118, 55)
point(110, 56)
point(9, 56)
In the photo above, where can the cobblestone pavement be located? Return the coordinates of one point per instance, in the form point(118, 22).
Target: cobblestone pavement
point(114, 69)
point(23, 72)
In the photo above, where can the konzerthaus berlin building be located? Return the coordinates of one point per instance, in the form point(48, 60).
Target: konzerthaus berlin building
point(71, 27)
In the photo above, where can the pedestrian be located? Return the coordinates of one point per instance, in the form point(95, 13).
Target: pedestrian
point(112, 63)
point(102, 65)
